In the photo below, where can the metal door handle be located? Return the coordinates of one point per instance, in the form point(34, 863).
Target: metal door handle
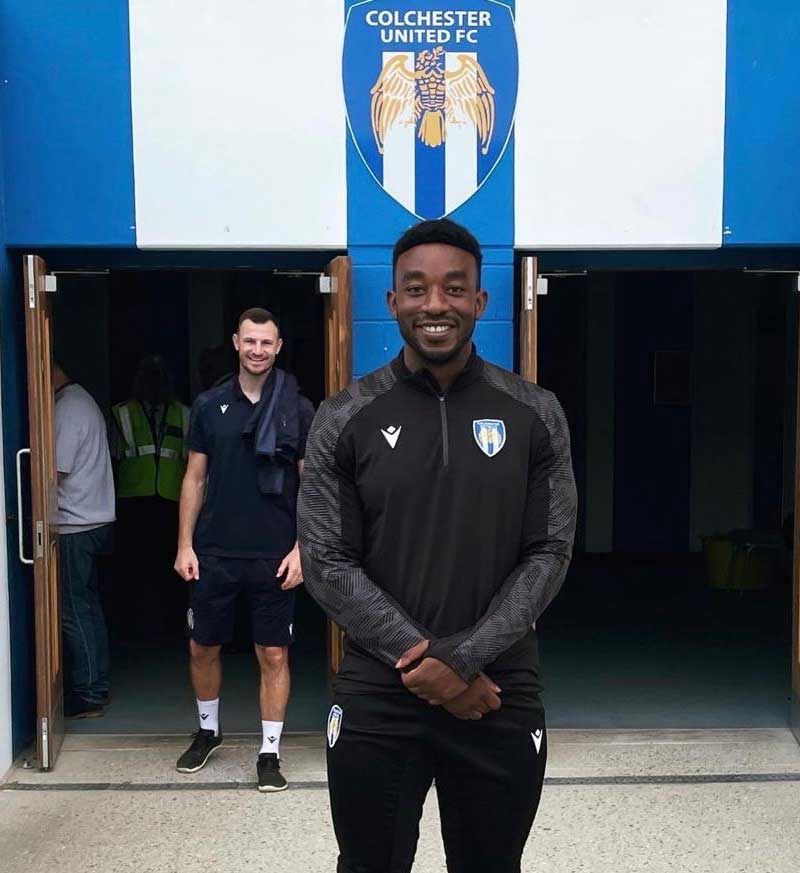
point(22, 557)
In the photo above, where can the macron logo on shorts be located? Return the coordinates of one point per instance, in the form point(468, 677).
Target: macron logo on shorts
point(223, 408)
point(536, 736)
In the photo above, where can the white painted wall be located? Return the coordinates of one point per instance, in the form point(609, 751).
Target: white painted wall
point(238, 123)
point(5, 638)
point(620, 124)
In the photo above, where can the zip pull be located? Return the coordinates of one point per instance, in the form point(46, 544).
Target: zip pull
point(445, 439)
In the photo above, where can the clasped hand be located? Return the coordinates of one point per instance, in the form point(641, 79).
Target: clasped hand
point(433, 681)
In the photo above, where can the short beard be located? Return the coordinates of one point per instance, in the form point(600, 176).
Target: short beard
point(435, 358)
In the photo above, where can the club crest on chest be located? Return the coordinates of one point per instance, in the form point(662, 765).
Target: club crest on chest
point(490, 435)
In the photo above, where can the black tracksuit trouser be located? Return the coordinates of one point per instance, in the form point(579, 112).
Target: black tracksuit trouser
point(386, 749)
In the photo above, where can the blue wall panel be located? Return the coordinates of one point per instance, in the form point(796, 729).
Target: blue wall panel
point(67, 120)
point(376, 339)
point(376, 220)
point(762, 131)
point(15, 430)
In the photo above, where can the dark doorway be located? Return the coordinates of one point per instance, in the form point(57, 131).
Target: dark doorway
point(105, 324)
point(676, 611)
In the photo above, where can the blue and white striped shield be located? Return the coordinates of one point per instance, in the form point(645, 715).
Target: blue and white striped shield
point(490, 435)
point(430, 90)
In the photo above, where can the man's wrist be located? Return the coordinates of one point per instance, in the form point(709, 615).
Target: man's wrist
point(444, 651)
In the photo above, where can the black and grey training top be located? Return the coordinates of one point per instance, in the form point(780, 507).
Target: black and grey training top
point(447, 516)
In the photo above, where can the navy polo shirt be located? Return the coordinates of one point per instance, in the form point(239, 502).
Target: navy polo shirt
point(237, 520)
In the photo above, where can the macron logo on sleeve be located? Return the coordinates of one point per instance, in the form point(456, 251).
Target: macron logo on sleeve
point(392, 434)
point(223, 408)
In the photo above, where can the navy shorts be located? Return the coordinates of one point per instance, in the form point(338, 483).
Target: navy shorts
point(213, 597)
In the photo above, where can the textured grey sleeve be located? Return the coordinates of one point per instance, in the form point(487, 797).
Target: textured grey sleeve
point(330, 531)
point(547, 546)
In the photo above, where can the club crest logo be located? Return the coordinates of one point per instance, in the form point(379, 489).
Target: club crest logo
point(430, 90)
point(334, 724)
point(490, 435)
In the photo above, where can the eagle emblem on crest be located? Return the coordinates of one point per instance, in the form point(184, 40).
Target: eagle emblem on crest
point(432, 97)
point(490, 435)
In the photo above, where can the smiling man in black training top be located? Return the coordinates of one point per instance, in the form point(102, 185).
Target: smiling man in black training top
point(436, 521)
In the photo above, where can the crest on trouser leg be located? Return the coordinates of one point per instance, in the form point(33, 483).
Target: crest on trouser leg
point(334, 724)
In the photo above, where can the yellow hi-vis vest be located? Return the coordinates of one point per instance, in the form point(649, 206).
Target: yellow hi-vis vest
point(147, 469)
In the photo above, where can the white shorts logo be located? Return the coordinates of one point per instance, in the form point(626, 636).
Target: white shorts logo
point(536, 736)
point(334, 724)
point(190, 618)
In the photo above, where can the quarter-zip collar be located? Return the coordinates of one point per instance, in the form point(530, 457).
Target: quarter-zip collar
point(424, 379)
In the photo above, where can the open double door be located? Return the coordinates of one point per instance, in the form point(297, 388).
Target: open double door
point(42, 556)
point(38, 288)
point(528, 361)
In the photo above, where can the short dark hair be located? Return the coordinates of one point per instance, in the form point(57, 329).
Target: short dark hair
point(440, 230)
point(258, 315)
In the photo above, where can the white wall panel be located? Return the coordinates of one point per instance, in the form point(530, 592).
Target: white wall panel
point(238, 123)
point(620, 123)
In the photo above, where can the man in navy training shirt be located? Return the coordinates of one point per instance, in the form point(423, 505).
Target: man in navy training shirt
point(237, 533)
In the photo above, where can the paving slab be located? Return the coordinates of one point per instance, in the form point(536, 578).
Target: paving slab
point(585, 829)
point(587, 755)
point(622, 801)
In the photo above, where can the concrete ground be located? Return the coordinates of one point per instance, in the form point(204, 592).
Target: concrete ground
point(614, 802)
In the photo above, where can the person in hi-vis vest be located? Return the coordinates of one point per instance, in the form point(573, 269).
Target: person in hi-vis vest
point(149, 447)
point(152, 452)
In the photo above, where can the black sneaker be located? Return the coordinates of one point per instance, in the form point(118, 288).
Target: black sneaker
point(77, 707)
point(195, 757)
point(270, 777)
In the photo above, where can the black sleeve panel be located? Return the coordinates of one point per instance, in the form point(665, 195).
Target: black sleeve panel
point(330, 531)
point(548, 534)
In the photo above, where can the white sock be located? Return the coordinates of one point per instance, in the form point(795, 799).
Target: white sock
point(208, 712)
point(271, 737)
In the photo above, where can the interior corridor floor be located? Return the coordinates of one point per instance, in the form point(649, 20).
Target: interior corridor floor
point(629, 643)
point(647, 643)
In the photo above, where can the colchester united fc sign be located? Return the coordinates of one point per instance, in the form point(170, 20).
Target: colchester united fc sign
point(430, 89)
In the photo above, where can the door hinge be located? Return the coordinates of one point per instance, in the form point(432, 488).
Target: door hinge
point(326, 284)
point(39, 553)
point(51, 283)
point(45, 744)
